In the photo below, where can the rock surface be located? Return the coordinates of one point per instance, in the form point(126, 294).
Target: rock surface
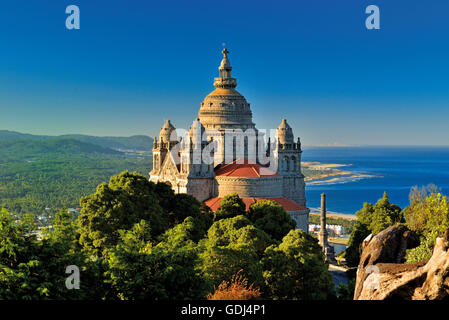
point(382, 275)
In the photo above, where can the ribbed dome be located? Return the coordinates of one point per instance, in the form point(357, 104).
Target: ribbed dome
point(225, 107)
point(166, 132)
point(284, 133)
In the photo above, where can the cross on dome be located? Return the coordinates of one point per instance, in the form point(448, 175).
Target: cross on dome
point(225, 66)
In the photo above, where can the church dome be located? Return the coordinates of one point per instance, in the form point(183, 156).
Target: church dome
point(168, 132)
point(284, 133)
point(225, 107)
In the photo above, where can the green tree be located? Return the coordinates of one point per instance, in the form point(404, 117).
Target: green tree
point(127, 199)
point(187, 233)
point(16, 240)
point(237, 230)
point(221, 263)
point(346, 291)
point(371, 219)
point(233, 244)
point(142, 200)
point(137, 270)
point(296, 269)
point(271, 218)
point(185, 205)
point(428, 215)
point(165, 195)
point(415, 214)
point(230, 206)
point(64, 228)
point(352, 253)
point(380, 216)
point(34, 270)
point(424, 250)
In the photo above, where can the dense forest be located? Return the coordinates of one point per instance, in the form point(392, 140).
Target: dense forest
point(163, 234)
point(39, 172)
point(54, 172)
point(138, 142)
point(178, 248)
point(138, 240)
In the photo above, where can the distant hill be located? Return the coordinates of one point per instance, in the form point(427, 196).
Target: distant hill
point(138, 142)
point(51, 147)
point(39, 172)
point(12, 135)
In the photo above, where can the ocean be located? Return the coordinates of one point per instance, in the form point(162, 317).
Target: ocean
point(392, 169)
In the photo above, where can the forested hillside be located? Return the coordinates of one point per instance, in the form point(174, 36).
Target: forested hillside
point(54, 172)
point(138, 142)
point(136, 240)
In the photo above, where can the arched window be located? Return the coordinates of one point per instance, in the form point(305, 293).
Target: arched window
point(234, 148)
point(293, 164)
point(156, 161)
point(285, 165)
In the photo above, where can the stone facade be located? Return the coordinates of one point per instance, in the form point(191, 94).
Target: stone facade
point(328, 250)
point(250, 187)
point(301, 218)
point(222, 134)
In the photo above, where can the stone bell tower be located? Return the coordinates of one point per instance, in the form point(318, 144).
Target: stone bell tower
point(161, 147)
point(195, 162)
point(287, 154)
point(197, 174)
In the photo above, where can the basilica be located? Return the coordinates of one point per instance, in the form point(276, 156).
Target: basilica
point(223, 153)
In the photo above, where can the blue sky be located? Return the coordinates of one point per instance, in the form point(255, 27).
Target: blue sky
point(134, 64)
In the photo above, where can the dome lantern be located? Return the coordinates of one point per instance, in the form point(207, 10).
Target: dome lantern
point(225, 80)
point(225, 107)
point(225, 66)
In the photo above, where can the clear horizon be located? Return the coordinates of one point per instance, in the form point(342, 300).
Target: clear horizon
point(124, 72)
point(304, 145)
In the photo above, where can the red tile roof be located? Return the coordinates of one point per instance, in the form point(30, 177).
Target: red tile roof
point(244, 168)
point(287, 204)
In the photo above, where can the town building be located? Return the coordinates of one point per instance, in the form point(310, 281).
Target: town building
point(332, 229)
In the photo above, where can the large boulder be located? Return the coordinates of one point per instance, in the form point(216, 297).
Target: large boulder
point(382, 275)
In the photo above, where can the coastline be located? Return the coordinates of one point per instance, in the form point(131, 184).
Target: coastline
point(335, 215)
point(320, 171)
point(317, 173)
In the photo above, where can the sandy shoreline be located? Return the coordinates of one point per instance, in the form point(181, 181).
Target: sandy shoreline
point(346, 216)
point(323, 166)
point(327, 173)
point(338, 179)
point(324, 170)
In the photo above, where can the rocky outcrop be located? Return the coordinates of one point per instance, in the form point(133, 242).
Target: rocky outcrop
point(382, 275)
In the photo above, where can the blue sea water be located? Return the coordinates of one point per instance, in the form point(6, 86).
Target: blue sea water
point(395, 170)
